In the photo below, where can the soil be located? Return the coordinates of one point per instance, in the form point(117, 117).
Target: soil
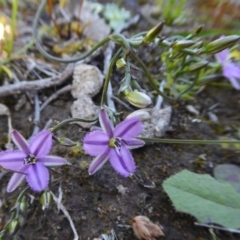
point(94, 202)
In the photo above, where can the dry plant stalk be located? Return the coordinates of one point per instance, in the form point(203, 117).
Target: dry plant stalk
point(145, 229)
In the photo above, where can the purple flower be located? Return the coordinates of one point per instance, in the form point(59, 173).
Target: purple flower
point(30, 161)
point(114, 144)
point(230, 69)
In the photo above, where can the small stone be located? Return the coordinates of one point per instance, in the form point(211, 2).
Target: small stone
point(87, 81)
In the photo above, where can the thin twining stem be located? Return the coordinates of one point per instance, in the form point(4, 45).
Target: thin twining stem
point(148, 75)
point(70, 120)
point(118, 38)
point(108, 75)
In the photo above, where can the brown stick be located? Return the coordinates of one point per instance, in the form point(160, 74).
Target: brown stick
point(37, 84)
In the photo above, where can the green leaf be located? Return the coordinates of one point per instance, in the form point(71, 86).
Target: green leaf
point(205, 198)
point(7, 71)
point(228, 173)
point(115, 15)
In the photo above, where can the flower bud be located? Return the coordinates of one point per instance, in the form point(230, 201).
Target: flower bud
point(196, 66)
point(143, 114)
point(65, 141)
point(145, 229)
point(23, 205)
point(138, 99)
point(221, 44)
point(180, 44)
point(195, 32)
point(45, 200)
point(153, 33)
point(13, 226)
point(121, 63)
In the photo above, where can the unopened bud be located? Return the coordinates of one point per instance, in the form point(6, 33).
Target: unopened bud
point(221, 44)
point(153, 33)
point(13, 226)
point(23, 205)
point(45, 200)
point(138, 99)
point(143, 114)
point(65, 141)
point(181, 44)
point(196, 66)
point(121, 63)
point(195, 32)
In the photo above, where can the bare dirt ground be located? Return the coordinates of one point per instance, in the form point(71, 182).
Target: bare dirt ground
point(95, 203)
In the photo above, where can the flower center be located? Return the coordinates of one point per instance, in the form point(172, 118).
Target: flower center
point(30, 159)
point(115, 142)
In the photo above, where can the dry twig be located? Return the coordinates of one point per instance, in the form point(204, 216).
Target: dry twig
point(64, 210)
point(37, 84)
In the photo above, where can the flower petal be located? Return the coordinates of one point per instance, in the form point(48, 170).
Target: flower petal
point(98, 162)
point(54, 161)
point(134, 143)
point(12, 160)
point(40, 144)
point(222, 56)
point(105, 122)
point(20, 141)
point(123, 163)
point(15, 181)
point(37, 176)
point(232, 72)
point(95, 143)
point(129, 128)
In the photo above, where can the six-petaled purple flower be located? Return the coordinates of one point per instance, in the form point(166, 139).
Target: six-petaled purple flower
point(30, 161)
point(230, 69)
point(114, 144)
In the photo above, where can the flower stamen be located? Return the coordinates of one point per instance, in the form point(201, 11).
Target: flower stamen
point(30, 159)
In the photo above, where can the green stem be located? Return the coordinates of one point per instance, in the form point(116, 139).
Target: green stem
point(13, 26)
point(20, 196)
point(19, 52)
point(189, 87)
point(118, 38)
point(151, 81)
point(108, 75)
point(184, 141)
point(67, 121)
point(43, 52)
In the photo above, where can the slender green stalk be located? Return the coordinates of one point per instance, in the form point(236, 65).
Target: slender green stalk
point(47, 55)
point(19, 52)
point(108, 75)
point(120, 39)
point(188, 141)
point(151, 81)
point(190, 86)
point(13, 26)
point(67, 121)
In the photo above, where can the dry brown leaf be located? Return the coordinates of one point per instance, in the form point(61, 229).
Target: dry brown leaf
point(145, 229)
